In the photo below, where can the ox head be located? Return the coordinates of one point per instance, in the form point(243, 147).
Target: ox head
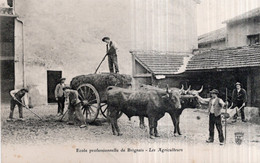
point(174, 97)
point(189, 99)
point(180, 90)
point(193, 92)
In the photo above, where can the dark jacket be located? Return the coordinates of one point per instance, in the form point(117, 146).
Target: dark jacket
point(239, 97)
point(111, 49)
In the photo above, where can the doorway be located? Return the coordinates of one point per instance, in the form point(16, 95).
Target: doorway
point(53, 78)
point(7, 57)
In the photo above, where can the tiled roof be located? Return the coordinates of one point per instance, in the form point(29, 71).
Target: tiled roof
point(247, 15)
point(161, 63)
point(214, 36)
point(247, 56)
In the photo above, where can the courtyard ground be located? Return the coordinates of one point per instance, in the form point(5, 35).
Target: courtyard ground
point(49, 140)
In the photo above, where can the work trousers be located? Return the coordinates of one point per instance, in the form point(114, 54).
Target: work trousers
point(20, 107)
point(61, 104)
point(215, 121)
point(77, 110)
point(112, 62)
point(239, 104)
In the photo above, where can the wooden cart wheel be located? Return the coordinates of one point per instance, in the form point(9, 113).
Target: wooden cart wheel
point(90, 101)
point(103, 109)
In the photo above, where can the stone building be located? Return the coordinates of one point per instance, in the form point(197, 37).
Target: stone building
point(43, 41)
point(241, 30)
point(244, 29)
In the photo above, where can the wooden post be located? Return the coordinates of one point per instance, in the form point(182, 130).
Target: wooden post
point(226, 118)
point(249, 88)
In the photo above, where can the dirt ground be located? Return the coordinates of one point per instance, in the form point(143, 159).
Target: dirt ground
point(49, 133)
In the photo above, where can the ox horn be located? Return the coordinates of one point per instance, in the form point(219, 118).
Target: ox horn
point(188, 89)
point(167, 88)
point(182, 87)
point(200, 90)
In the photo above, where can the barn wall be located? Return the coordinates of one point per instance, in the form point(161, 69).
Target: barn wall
point(36, 80)
point(67, 35)
point(139, 69)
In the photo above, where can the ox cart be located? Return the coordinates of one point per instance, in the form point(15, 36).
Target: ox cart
point(92, 92)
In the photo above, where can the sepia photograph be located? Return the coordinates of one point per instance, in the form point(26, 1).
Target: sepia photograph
point(130, 81)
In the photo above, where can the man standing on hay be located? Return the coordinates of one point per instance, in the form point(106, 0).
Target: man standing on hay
point(239, 99)
point(215, 104)
point(112, 55)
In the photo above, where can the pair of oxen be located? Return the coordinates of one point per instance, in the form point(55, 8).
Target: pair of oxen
point(151, 102)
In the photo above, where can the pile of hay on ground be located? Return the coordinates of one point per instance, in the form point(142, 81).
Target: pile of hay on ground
point(102, 81)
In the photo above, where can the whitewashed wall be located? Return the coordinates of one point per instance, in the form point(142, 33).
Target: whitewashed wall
point(67, 34)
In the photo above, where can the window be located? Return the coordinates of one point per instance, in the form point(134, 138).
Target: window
point(253, 39)
point(207, 45)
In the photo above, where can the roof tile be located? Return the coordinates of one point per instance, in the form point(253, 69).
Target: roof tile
point(248, 56)
point(160, 64)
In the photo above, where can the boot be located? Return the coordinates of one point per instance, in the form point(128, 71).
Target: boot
point(209, 140)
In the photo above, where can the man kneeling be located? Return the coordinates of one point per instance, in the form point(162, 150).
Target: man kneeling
point(74, 107)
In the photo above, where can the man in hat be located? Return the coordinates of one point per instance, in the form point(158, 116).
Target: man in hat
point(18, 97)
point(239, 99)
point(60, 96)
point(215, 104)
point(74, 107)
point(112, 50)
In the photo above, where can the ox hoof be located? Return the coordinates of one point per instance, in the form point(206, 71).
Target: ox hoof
point(157, 135)
point(142, 126)
point(119, 134)
point(152, 137)
point(114, 133)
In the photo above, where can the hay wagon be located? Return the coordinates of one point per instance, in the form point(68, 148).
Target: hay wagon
point(92, 92)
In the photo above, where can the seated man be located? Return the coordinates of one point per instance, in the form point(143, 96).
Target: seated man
point(18, 99)
point(74, 107)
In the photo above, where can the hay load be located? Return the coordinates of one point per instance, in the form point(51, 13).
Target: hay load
point(102, 81)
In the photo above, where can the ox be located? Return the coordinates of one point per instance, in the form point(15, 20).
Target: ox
point(188, 100)
point(152, 104)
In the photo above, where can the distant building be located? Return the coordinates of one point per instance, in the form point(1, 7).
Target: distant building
point(214, 39)
point(43, 41)
point(241, 30)
point(244, 29)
